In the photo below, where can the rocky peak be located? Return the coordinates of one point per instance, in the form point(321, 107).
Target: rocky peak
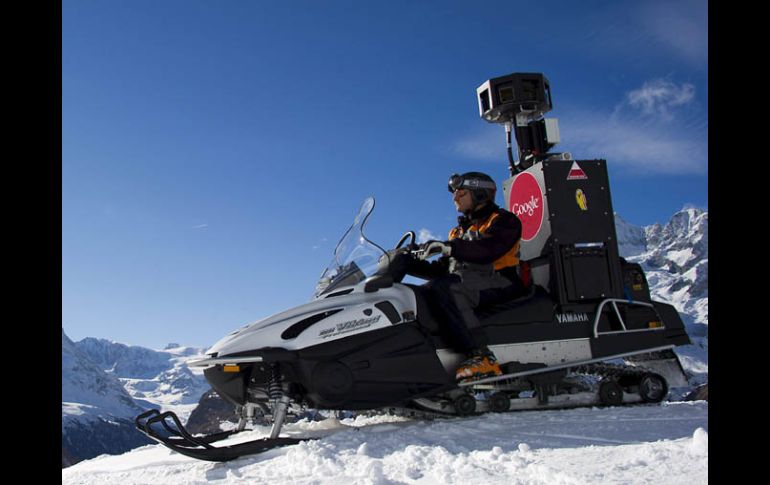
point(124, 360)
point(89, 389)
point(685, 236)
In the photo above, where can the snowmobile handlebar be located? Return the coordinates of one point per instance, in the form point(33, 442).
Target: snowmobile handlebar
point(417, 251)
point(408, 235)
point(412, 248)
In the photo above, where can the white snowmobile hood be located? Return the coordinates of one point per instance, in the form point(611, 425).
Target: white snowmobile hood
point(355, 313)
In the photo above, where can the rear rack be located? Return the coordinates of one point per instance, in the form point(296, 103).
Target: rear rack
point(614, 302)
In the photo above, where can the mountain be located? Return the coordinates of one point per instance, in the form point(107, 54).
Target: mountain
point(674, 257)
point(157, 378)
point(125, 361)
point(97, 411)
point(88, 387)
point(106, 384)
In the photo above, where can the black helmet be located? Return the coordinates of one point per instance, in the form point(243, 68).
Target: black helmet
point(481, 186)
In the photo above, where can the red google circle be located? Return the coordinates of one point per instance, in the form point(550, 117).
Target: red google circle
point(526, 201)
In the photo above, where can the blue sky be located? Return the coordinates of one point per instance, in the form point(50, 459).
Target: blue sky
point(214, 152)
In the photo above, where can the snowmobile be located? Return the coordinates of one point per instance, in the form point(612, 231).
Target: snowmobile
point(584, 332)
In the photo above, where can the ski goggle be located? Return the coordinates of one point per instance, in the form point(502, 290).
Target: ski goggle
point(457, 181)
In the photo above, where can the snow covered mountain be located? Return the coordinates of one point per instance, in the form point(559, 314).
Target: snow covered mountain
point(84, 382)
point(123, 360)
point(156, 378)
point(674, 257)
point(97, 412)
point(106, 384)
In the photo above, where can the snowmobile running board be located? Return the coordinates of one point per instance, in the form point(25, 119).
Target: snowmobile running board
point(673, 377)
point(181, 441)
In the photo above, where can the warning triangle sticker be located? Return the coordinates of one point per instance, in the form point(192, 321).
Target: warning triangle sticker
point(576, 173)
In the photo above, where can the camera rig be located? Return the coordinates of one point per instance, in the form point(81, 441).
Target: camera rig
point(520, 101)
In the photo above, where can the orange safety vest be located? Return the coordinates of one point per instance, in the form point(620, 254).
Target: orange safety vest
point(511, 258)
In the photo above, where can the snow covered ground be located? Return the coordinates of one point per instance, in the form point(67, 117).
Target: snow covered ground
point(660, 444)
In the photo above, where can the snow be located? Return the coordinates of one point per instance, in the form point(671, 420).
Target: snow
point(681, 257)
point(665, 443)
point(76, 409)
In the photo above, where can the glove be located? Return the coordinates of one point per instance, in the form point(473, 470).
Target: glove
point(432, 248)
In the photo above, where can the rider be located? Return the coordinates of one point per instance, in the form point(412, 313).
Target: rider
point(478, 266)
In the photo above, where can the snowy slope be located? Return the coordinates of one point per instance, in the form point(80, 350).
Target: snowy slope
point(665, 443)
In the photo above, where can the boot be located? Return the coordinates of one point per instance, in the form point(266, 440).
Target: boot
point(481, 364)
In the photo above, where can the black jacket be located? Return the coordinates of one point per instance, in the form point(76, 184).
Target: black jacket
point(497, 240)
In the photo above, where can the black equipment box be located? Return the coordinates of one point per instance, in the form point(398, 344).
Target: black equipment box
point(568, 228)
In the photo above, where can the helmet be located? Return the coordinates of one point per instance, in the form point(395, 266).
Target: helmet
point(481, 186)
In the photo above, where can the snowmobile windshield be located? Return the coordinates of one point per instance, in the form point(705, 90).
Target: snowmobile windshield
point(355, 257)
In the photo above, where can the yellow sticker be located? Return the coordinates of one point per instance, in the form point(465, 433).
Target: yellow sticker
point(582, 202)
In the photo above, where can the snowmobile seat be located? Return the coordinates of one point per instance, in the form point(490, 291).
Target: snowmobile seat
point(534, 306)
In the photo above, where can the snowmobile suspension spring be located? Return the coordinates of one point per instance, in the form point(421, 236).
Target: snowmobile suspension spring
point(274, 388)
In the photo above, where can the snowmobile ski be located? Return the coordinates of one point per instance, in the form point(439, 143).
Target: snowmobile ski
point(201, 447)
